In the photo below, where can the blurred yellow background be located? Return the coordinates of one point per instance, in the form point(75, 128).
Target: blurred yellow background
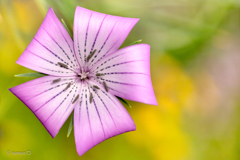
point(195, 68)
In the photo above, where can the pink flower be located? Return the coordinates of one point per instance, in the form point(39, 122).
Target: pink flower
point(85, 75)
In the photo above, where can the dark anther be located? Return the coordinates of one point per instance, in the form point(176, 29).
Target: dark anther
point(105, 86)
point(69, 84)
point(90, 55)
point(75, 99)
point(100, 74)
point(91, 97)
point(62, 65)
point(96, 87)
point(56, 80)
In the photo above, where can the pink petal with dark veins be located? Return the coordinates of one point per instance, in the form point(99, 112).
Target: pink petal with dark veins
point(49, 101)
point(51, 44)
point(94, 30)
point(127, 73)
point(95, 122)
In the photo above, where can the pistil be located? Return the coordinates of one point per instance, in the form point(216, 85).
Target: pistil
point(83, 74)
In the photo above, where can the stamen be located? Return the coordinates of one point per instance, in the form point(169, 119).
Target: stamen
point(90, 55)
point(56, 80)
point(94, 51)
point(65, 66)
point(96, 87)
point(62, 65)
point(105, 86)
point(100, 74)
point(75, 99)
point(91, 97)
point(69, 84)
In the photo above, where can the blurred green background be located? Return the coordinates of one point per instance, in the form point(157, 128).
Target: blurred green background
point(195, 68)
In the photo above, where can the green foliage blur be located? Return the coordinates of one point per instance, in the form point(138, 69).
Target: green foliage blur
point(195, 69)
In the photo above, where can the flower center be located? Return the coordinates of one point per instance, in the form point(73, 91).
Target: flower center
point(83, 75)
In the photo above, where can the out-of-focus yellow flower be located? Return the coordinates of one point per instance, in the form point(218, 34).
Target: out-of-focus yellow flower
point(8, 57)
point(12, 141)
point(16, 29)
point(159, 128)
point(174, 88)
point(208, 94)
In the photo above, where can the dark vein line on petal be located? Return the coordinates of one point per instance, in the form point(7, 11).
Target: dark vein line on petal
point(98, 33)
point(55, 70)
point(106, 62)
point(41, 58)
point(117, 64)
point(102, 47)
point(60, 48)
point(49, 100)
point(50, 51)
point(88, 115)
point(81, 99)
point(74, 95)
point(129, 84)
point(108, 86)
point(49, 81)
point(59, 85)
point(99, 117)
point(60, 103)
point(79, 52)
point(69, 46)
point(107, 110)
point(73, 53)
point(102, 56)
point(80, 105)
point(70, 103)
point(116, 57)
point(114, 73)
point(86, 36)
point(109, 98)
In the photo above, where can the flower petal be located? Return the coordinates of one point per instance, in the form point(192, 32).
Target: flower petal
point(51, 44)
point(49, 100)
point(99, 120)
point(94, 30)
point(127, 73)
